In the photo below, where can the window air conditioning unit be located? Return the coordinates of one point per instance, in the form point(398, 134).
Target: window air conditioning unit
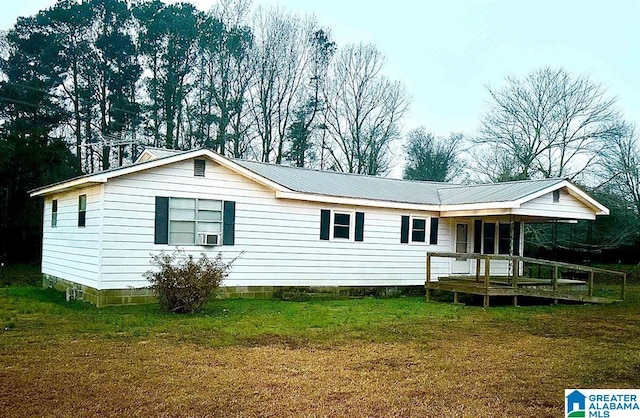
point(209, 239)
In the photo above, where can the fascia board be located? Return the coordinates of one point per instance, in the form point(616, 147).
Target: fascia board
point(104, 177)
point(310, 197)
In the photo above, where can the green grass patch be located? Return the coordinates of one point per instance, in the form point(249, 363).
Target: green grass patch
point(363, 357)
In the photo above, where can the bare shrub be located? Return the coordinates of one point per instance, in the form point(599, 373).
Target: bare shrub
point(182, 283)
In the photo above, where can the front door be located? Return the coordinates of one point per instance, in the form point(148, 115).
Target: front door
point(461, 245)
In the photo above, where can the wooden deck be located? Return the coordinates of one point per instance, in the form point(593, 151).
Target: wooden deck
point(555, 288)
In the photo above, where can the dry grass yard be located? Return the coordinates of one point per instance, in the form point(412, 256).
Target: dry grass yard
point(364, 357)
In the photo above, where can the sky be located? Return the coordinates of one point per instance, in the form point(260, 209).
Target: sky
point(446, 52)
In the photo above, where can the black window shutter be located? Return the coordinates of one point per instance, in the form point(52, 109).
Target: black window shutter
point(477, 236)
point(516, 238)
point(229, 223)
point(325, 220)
point(489, 238)
point(162, 221)
point(404, 230)
point(359, 226)
point(433, 233)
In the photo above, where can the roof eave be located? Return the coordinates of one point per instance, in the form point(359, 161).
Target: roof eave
point(352, 201)
point(105, 176)
point(66, 186)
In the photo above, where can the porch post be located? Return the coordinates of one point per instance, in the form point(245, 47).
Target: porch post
point(511, 237)
point(427, 288)
point(487, 275)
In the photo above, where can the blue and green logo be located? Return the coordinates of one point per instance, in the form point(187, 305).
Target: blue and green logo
point(575, 404)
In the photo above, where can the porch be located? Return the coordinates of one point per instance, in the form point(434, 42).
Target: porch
point(528, 277)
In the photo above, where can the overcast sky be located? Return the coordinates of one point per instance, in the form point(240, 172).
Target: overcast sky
point(446, 51)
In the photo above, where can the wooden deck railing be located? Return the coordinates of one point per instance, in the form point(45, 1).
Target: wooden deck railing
point(515, 262)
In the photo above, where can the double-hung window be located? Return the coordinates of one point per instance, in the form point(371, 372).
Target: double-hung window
point(191, 218)
point(418, 230)
point(82, 210)
point(341, 225)
point(54, 213)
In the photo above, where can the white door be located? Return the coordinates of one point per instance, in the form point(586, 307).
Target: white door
point(461, 245)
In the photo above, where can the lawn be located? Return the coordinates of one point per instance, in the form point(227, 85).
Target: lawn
point(358, 357)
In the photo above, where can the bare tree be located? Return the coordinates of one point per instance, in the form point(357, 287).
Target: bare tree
point(550, 122)
point(364, 110)
point(433, 158)
point(281, 58)
point(620, 166)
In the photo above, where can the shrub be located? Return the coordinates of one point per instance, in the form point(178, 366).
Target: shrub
point(183, 284)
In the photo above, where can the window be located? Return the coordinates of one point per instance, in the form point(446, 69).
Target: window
point(489, 238)
point(199, 168)
point(556, 196)
point(54, 213)
point(341, 225)
point(191, 218)
point(418, 230)
point(82, 210)
point(498, 235)
point(462, 238)
point(504, 238)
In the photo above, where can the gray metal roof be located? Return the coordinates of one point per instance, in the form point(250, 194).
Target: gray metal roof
point(380, 188)
point(163, 152)
point(493, 192)
point(331, 183)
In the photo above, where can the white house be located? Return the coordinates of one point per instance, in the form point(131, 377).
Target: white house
point(294, 227)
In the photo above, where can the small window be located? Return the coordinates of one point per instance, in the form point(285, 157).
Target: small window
point(418, 230)
point(556, 196)
point(82, 210)
point(54, 213)
point(199, 168)
point(341, 225)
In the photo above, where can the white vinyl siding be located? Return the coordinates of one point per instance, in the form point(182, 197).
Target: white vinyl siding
point(279, 237)
point(567, 207)
point(70, 252)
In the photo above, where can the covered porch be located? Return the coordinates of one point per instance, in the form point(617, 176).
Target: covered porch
point(528, 277)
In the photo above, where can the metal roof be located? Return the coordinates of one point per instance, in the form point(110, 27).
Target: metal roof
point(332, 183)
point(493, 192)
point(337, 184)
point(163, 152)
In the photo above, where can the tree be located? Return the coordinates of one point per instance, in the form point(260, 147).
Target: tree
point(300, 131)
point(223, 79)
point(113, 63)
point(281, 60)
point(364, 110)
point(551, 122)
point(620, 166)
point(168, 43)
point(433, 159)
point(32, 153)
